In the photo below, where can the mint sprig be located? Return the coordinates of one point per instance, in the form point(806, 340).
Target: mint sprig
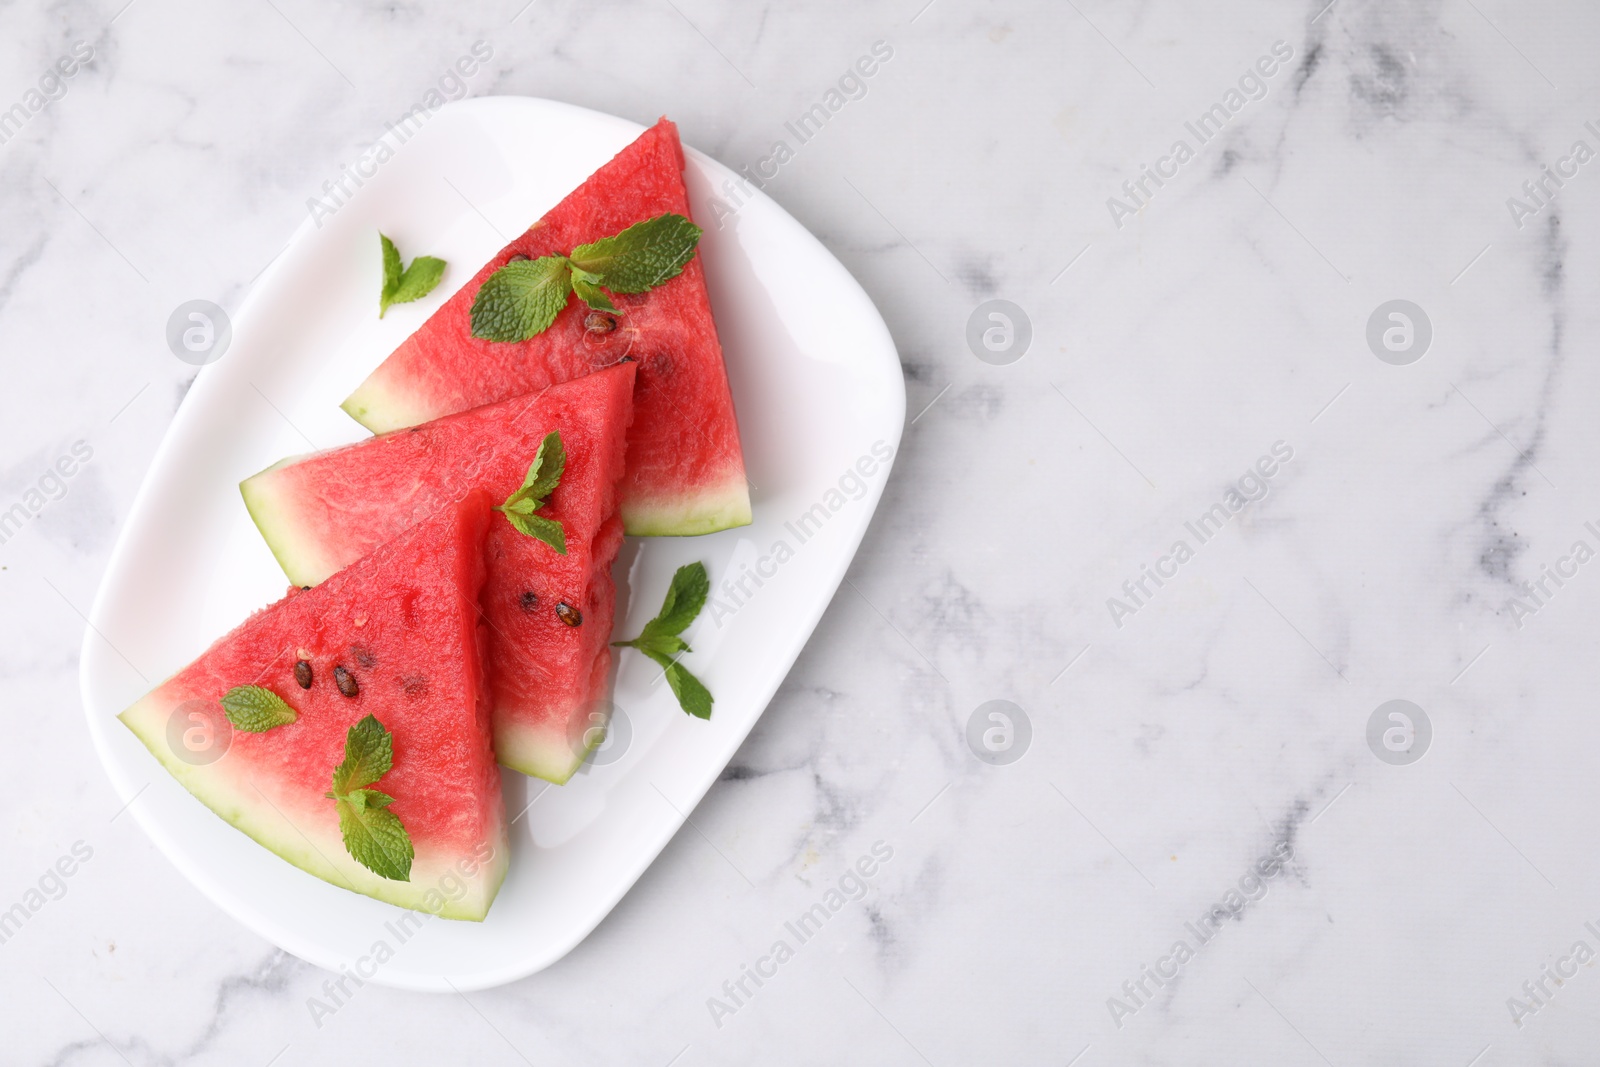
point(412, 283)
point(522, 299)
point(660, 638)
point(642, 256)
point(544, 474)
point(256, 710)
point(373, 835)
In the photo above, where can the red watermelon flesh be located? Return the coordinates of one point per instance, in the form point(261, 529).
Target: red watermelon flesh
point(685, 466)
point(403, 622)
point(548, 679)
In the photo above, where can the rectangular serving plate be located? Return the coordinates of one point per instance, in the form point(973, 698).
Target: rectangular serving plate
point(821, 401)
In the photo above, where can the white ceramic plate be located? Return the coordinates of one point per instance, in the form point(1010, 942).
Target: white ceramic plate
point(818, 392)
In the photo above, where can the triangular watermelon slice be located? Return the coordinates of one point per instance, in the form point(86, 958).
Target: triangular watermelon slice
point(685, 466)
point(400, 629)
point(549, 614)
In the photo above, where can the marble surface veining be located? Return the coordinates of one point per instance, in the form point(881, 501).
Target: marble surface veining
point(1199, 769)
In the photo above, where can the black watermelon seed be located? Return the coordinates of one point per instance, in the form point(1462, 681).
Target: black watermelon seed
point(302, 673)
point(363, 657)
point(528, 601)
point(569, 614)
point(345, 681)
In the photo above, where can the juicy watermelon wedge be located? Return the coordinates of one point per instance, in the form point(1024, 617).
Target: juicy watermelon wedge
point(548, 669)
point(403, 622)
point(685, 467)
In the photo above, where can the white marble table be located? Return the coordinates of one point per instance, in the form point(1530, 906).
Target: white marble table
point(1187, 733)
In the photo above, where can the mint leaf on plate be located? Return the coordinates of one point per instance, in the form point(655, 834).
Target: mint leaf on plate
point(659, 639)
point(412, 283)
point(693, 696)
point(419, 279)
point(392, 272)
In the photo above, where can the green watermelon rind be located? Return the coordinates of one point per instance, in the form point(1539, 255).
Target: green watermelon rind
point(271, 516)
point(707, 510)
point(541, 754)
point(265, 824)
point(379, 410)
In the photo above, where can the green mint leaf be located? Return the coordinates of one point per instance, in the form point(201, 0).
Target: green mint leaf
point(413, 283)
point(256, 710)
point(666, 644)
point(587, 288)
point(419, 279)
point(544, 474)
point(549, 531)
point(368, 755)
point(521, 499)
point(519, 503)
point(374, 836)
point(693, 697)
point(391, 274)
point(685, 597)
point(659, 639)
point(365, 798)
point(642, 256)
point(521, 299)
